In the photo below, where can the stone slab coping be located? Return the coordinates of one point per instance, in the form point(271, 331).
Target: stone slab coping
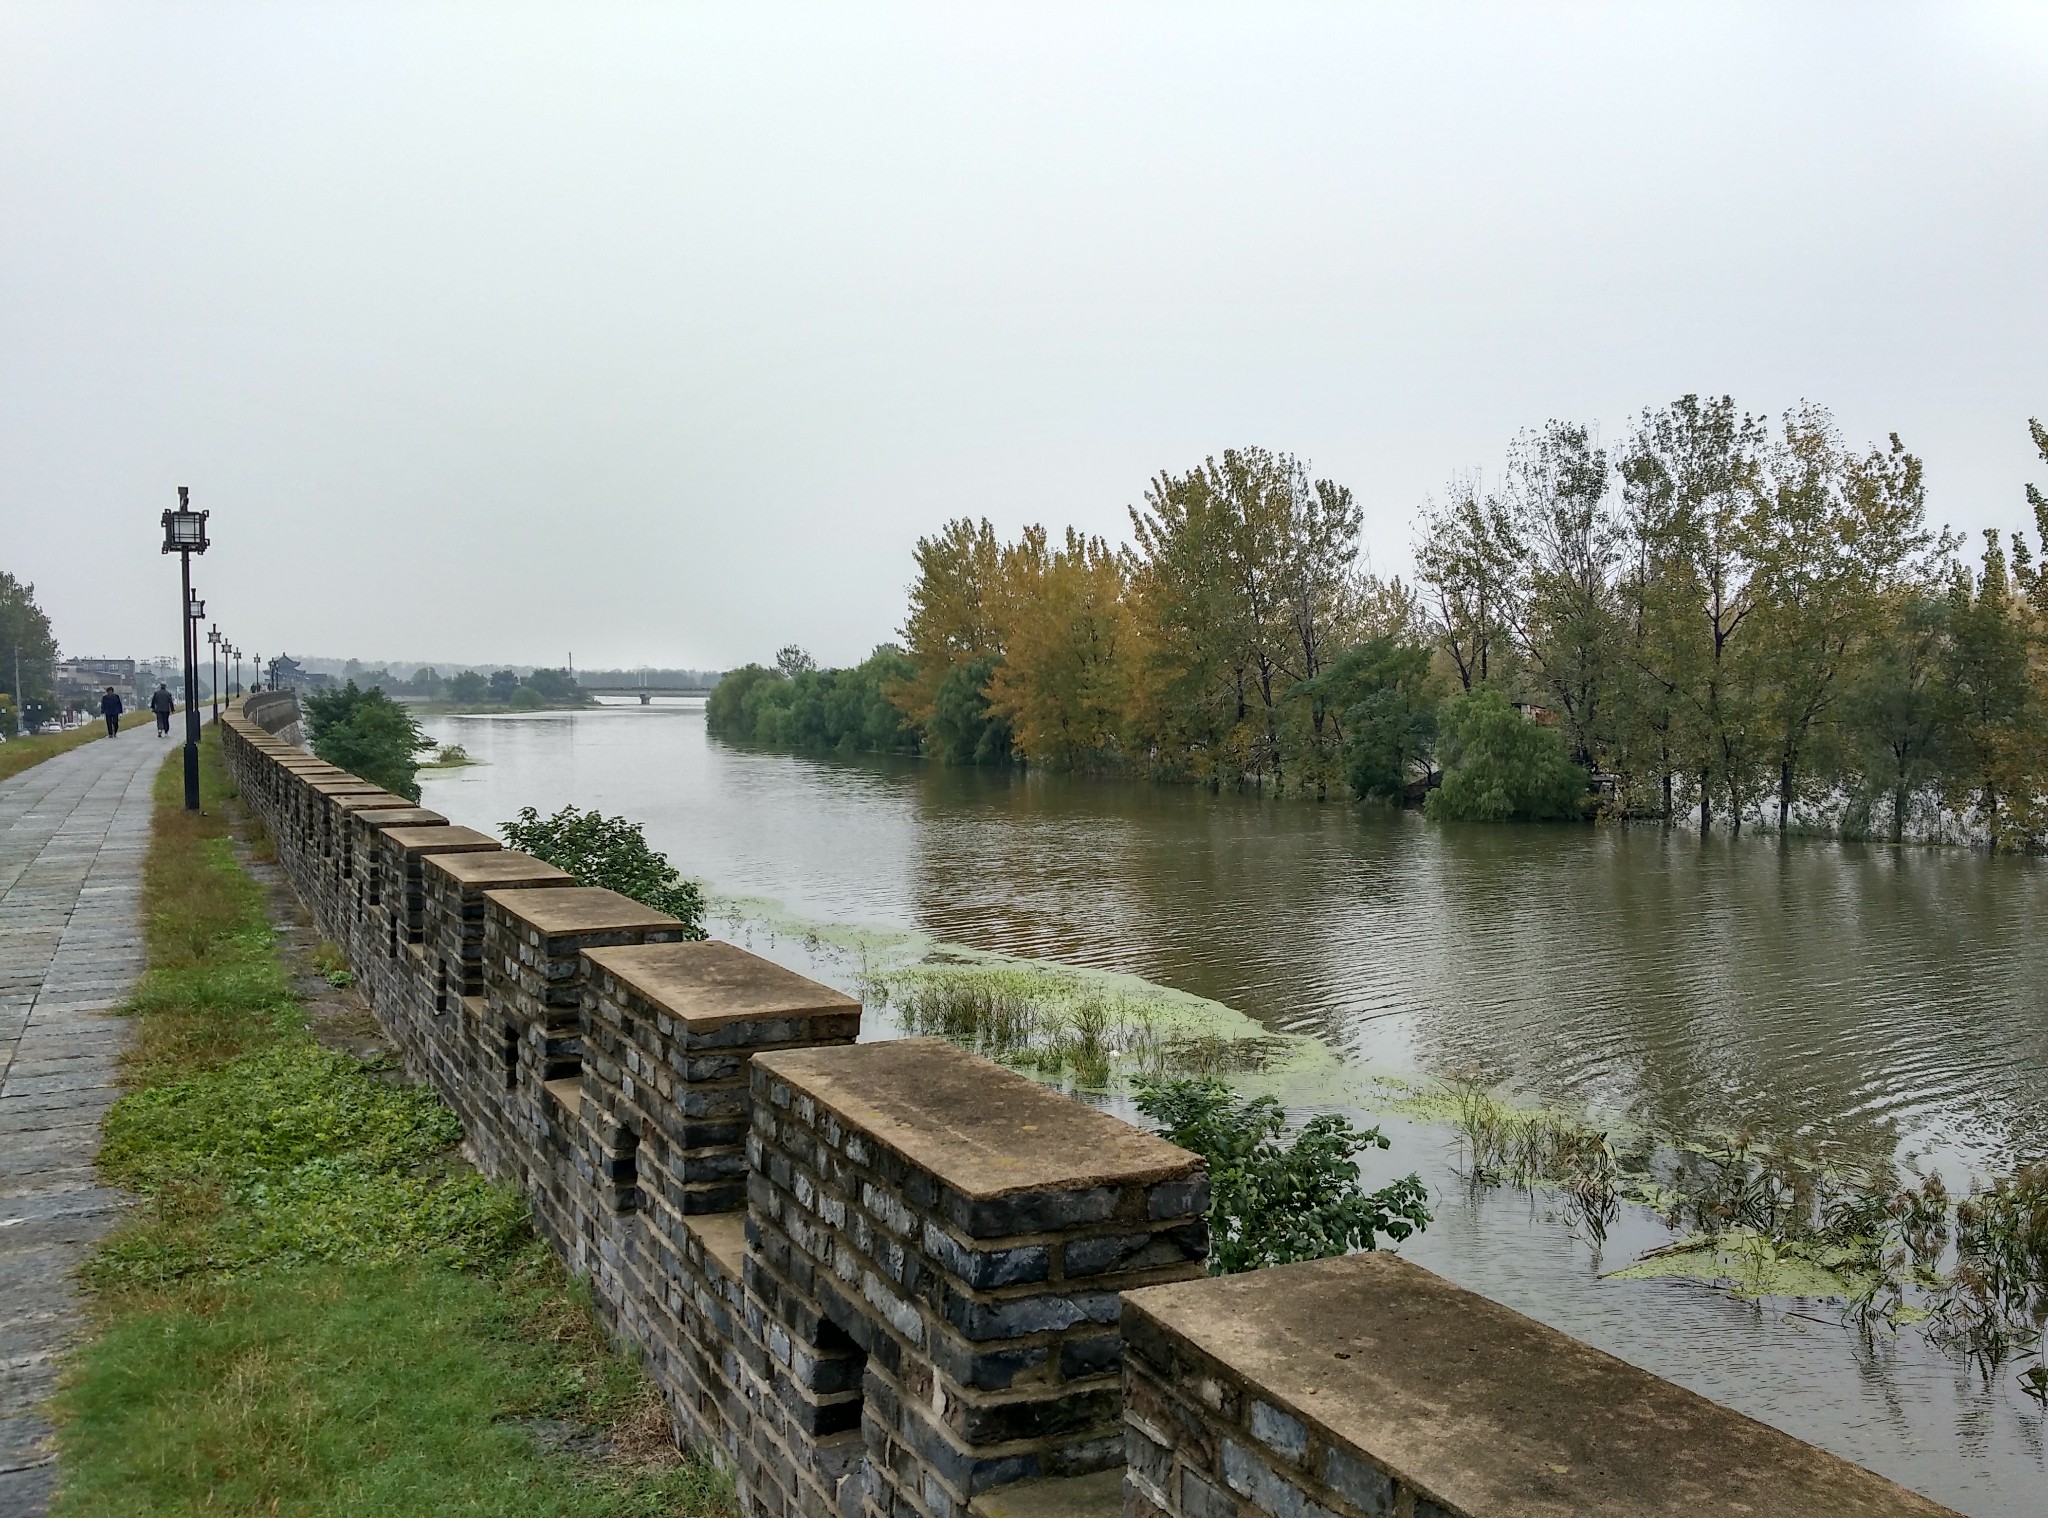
point(371, 801)
point(502, 867)
point(709, 984)
point(1100, 1495)
point(568, 1091)
point(578, 909)
point(724, 1237)
point(403, 817)
point(1491, 1413)
point(301, 761)
point(444, 838)
point(984, 1131)
point(345, 785)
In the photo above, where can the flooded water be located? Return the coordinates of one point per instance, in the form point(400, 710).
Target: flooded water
point(1866, 1001)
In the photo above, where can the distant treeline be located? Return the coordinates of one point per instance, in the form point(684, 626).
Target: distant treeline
point(1724, 618)
point(469, 687)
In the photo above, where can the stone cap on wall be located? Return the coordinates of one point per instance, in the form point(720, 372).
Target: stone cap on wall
point(709, 984)
point(442, 839)
point(498, 867)
point(984, 1131)
point(1488, 1412)
point(371, 801)
point(402, 817)
point(344, 785)
point(577, 909)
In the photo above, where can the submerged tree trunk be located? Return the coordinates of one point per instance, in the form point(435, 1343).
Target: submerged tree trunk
point(1784, 794)
point(1706, 805)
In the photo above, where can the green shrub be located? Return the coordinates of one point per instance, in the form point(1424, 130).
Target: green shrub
point(815, 709)
point(1500, 767)
point(368, 734)
point(609, 852)
point(1273, 1203)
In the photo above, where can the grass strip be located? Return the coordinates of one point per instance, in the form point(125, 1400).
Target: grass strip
point(18, 754)
point(318, 1307)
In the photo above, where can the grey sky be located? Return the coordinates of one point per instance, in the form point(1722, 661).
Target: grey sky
point(659, 333)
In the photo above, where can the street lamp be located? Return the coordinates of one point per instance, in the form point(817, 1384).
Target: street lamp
point(185, 535)
point(236, 688)
point(213, 668)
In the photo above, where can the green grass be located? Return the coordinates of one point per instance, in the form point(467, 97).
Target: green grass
point(18, 754)
point(317, 1307)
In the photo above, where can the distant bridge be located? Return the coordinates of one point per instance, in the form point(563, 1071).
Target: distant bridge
point(646, 693)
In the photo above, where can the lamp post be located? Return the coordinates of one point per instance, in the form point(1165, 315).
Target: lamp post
point(213, 672)
point(236, 688)
point(185, 535)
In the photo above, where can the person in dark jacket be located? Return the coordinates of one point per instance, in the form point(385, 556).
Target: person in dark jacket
point(163, 703)
point(110, 708)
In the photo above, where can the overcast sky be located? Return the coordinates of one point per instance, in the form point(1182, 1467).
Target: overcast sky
point(658, 333)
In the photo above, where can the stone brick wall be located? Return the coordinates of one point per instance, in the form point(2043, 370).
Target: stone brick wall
point(880, 1281)
point(892, 1280)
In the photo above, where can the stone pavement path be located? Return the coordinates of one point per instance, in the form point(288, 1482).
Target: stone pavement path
point(72, 834)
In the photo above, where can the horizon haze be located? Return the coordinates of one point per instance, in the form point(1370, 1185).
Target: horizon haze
point(661, 334)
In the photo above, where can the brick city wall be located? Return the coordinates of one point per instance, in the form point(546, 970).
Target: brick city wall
point(877, 1279)
point(893, 1280)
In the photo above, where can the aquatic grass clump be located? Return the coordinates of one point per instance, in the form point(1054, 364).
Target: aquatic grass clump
point(1059, 1023)
point(1530, 1148)
point(1765, 1220)
point(1023, 1017)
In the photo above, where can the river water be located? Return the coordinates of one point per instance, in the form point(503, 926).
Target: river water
point(1863, 1001)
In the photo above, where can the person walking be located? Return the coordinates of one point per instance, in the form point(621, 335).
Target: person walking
point(110, 708)
point(163, 703)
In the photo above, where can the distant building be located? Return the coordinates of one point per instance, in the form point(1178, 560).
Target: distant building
point(82, 680)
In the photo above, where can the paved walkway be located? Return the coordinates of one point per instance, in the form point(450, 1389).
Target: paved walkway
point(72, 834)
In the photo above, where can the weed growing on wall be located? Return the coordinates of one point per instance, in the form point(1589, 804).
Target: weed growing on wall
point(610, 852)
point(1275, 1202)
point(368, 734)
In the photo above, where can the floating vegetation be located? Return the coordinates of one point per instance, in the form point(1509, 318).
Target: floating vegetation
point(1083, 1027)
point(1060, 1024)
point(1762, 1221)
point(452, 756)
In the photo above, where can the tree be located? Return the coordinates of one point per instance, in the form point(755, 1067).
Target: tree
point(1272, 1203)
point(728, 712)
point(1691, 478)
point(963, 728)
point(793, 661)
point(1387, 699)
point(1465, 563)
point(1061, 685)
point(610, 852)
point(1561, 546)
point(1996, 721)
point(368, 734)
point(1242, 581)
point(1499, 766)
point(954, 618)
point(557, 687)
point(1894, 713)
point(426, 681)
point(25, 632)
point(503, 683)
point(468, 687)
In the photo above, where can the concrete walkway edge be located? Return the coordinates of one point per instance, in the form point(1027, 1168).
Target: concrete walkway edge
point(73, 831)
